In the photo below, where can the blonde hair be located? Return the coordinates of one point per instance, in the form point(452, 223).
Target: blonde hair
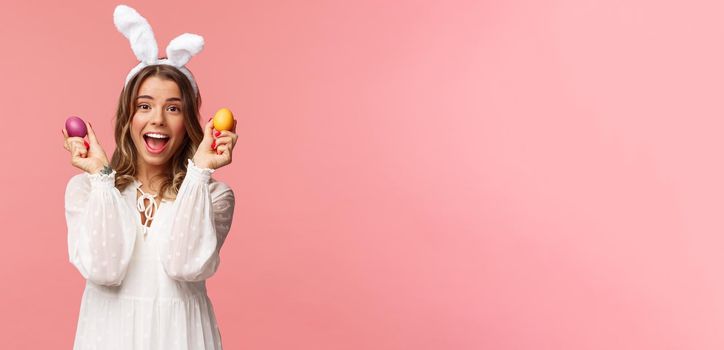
point(125, 156)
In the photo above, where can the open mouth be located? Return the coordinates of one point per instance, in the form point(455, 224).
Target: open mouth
point(155, 142)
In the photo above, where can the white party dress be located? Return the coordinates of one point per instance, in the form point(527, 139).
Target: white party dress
point(145, 284)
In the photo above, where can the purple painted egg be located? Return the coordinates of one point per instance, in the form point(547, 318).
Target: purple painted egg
point(75, 127)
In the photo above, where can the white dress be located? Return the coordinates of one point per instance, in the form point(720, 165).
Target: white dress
point(147, 293)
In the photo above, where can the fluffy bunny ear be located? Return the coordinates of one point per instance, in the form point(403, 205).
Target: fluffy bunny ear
point(136, 28)
point(180, 50)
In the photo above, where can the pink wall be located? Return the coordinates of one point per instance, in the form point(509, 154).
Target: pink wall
point(409, 175)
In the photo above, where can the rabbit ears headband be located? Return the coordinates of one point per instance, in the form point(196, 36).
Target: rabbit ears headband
point(138, 31)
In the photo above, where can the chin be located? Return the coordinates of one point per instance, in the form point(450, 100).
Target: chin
point(155, 161)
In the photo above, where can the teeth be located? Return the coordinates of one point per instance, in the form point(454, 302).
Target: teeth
point(157, 136)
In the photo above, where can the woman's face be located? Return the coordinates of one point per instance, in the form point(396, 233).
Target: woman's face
point(157, 127)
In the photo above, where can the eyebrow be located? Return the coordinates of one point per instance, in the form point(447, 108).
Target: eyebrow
point(167, 100)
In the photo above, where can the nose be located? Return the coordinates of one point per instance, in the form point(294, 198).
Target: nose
point(158, 117)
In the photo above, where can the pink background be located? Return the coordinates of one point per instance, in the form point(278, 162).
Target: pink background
point(515, 174)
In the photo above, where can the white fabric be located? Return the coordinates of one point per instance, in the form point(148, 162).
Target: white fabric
point(143, 43)
point(147, 294)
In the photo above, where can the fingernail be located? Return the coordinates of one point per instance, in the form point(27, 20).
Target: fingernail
point(213, 145)
point(86, 144)
point(217, 133)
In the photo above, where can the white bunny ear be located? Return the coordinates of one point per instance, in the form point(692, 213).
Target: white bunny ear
point(136, 28)
point(180, 50)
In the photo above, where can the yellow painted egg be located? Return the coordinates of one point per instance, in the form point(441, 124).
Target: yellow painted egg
point(223, 120)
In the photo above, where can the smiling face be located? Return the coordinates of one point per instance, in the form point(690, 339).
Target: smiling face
point(157, 126)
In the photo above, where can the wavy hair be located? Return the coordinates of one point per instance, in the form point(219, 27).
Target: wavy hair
point(125, 157)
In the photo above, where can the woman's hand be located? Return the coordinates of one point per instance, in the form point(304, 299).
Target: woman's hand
point(216, 147)
point(91, 159)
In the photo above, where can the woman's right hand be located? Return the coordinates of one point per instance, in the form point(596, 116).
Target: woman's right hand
point(92, 159)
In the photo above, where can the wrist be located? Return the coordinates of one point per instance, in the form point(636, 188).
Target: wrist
point(104, 169)
point(201, 164)
point(195, 172)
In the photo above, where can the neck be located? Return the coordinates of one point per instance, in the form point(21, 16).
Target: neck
point(150, 176)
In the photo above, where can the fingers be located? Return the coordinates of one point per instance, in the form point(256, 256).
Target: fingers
point(209, 129)
point(225, 141)
point(224, 149)
point(91, 134)
point(224, 134)
point(233, 129)
point(77, 149)
point(65, 139)
point(70, 141)
point(221, 140)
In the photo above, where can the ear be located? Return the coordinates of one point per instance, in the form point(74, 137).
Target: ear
point(137, 30)
point(180, 50)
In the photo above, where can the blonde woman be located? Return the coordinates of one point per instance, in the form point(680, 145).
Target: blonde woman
point(145, 229)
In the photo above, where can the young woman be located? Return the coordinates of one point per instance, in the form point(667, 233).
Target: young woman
point(146, 228)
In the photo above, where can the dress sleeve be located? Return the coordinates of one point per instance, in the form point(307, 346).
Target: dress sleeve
point(100, 235)
point(200, 220)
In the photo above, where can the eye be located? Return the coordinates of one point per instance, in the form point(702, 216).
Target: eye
point(144, 106)
point(173, 109)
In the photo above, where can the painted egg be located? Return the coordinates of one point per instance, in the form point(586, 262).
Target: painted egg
point(75, 127)
point(223, 120)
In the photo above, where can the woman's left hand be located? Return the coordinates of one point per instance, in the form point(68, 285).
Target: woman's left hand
point(216, 147)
